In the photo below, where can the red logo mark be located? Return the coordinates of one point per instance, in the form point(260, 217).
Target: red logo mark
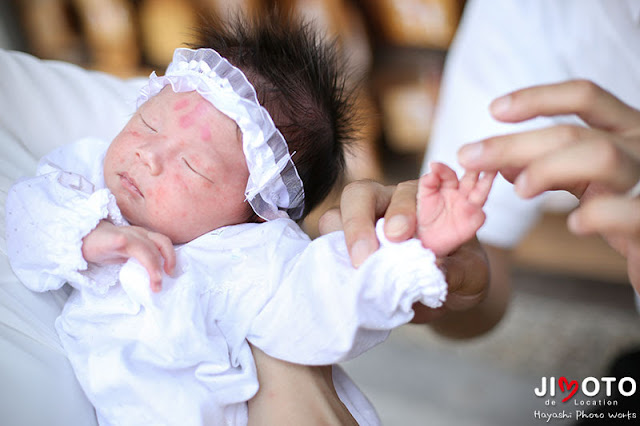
point(566, 385)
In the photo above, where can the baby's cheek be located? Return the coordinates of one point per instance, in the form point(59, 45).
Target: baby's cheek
point(231, 194)
point(173, 193)
point(167, 209)
point(116, 151)
point(179, 183)
point(235, 181)
point(172, 213)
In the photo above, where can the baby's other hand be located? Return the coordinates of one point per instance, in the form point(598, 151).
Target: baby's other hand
point(450, 211)
point(108, 244)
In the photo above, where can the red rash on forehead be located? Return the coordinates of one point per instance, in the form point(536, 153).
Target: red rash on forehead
point(190, 118)
point(202, 106)
point(182, 103)
point(205, 132)
point(187, 120)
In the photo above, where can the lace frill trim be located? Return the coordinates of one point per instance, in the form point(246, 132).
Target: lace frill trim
point(414, 270)
point(85, 214)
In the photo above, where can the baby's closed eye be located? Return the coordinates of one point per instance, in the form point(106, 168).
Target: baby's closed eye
point(194, 170)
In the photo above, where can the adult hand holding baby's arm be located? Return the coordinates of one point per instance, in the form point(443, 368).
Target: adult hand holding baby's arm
point(472, 306)
point(108, 244)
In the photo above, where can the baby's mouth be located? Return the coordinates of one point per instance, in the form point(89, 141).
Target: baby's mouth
point(129, 184)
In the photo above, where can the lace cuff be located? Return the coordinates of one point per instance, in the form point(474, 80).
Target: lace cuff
point(83, 215)
point(413, 270)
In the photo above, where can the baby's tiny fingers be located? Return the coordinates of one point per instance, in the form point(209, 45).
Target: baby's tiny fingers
point(480, 191)
point(428, 184)
point(468, 182)
point(448, 177)
point(165, 245)
point(150, 258)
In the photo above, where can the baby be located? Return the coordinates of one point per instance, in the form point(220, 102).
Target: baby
point(199, 195)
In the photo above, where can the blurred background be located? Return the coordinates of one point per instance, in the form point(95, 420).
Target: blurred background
point(573, 311)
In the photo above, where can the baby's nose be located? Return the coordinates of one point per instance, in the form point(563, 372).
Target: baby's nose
point(150, 157)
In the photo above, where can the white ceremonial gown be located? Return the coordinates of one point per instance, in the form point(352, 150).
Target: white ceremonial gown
point(182, 356)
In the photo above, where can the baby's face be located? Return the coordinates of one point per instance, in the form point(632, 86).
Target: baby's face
point(178, 168)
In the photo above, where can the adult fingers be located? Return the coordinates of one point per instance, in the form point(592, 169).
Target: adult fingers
point(572, 168)
point(400, 216)
point(597, 107)
point(607, 214)
point(330, 221)
point(466, 271)
point(361, 203)
point(517, 150)
point(467, 275)
point(424, 314)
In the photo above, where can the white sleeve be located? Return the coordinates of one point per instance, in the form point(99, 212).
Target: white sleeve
point(48, 215)
point(325, 311)
point(500, 46)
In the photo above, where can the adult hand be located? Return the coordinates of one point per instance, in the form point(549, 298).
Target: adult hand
point(599, 164)
point(363, 202)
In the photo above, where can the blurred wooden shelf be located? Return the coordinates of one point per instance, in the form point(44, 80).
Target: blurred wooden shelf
point(416, 23)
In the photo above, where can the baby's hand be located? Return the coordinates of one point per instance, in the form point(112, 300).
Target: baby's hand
point(108, 243)
point(450, 211)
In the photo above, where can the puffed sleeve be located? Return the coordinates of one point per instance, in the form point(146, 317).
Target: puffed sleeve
point(48, 215)
point(325, 311)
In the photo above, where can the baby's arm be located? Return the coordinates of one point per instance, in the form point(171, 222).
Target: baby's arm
point(57, 224)
point(47, 216)
point(108, 244)
point(450, 211)
point(325, 311)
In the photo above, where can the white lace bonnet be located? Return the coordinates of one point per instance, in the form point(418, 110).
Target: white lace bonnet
point(274, 188)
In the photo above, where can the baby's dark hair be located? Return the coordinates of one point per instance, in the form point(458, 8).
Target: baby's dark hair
point(298, 79)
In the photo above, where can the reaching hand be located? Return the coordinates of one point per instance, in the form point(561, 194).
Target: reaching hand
point(108, 243)
point(598, 164)
point(450, 212)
